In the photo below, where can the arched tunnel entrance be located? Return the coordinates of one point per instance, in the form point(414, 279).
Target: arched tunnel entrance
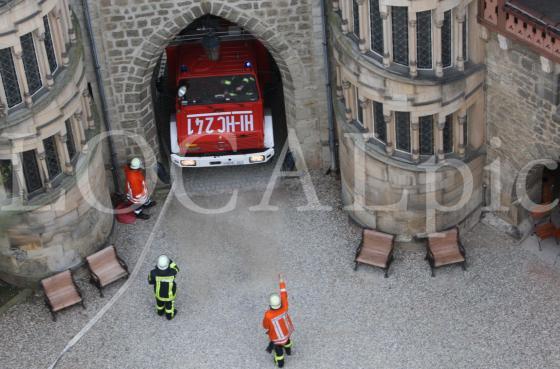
point(232, 84)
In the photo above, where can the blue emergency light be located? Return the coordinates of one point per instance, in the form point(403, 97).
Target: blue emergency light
point(248, 65)
point(183, 68)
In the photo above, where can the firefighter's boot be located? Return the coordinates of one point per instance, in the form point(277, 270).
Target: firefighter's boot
point(288, 348)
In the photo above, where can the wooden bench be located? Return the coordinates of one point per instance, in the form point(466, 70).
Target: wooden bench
point(376, 249)
point(106, 267)
point(61, 292)
point(445, 248)
point(544, 231)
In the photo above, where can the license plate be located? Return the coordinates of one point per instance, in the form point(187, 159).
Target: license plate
point(227, 122)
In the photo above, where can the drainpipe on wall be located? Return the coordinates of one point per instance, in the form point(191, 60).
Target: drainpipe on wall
point(103, 97)
point(328, 76)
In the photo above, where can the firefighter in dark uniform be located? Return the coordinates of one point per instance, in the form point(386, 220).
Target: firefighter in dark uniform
point(162, 277)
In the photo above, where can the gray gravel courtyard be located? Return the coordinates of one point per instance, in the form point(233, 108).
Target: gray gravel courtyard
point(504, 312)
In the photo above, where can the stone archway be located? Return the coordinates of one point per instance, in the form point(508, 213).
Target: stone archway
point(134, 90)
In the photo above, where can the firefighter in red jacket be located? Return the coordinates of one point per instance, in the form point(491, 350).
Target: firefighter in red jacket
point(136, 189)
point(278, 325)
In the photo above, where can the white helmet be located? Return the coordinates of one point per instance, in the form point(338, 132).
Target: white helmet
point(135, 163)
point(163, 262)
point(274, 301)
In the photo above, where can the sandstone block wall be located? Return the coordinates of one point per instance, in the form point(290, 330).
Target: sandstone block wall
point(132, 34)
point(523, 112)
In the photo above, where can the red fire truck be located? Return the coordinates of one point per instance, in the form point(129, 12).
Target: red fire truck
point(219, 116)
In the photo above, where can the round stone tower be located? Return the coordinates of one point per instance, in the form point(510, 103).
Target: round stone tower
point(51, 182)
point(409, 107)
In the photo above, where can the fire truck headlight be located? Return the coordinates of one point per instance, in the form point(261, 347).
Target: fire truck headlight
point(182, 91)
point(256, 159)
point(188, 163)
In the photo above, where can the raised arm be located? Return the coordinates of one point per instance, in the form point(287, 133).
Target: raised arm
point(283, 291)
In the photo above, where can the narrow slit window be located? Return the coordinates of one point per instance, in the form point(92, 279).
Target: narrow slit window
point(6, 178)
point(49, 46)
point(30, 65)
point(9, 78)
point(402, 121)
point(465, 31)
point(376, 26)
point(31, 172)
point(51, 157)
point(424, 39)
point(359, 109)
point(379, 125)
point(446, 36)
point(426, 135)
point(399, 17)
point(70, 140)
point(356, 18)
point(448, 134)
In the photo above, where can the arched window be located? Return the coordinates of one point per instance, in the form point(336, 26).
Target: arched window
point(399, 17)
point(376, 26)
point(424, 39)
point(9, 78)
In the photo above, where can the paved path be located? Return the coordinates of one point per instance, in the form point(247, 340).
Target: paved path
point(504, 312)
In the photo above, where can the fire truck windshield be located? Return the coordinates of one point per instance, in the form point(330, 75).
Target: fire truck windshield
point(219, 90)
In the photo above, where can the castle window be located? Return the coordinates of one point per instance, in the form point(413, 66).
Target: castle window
point(379, 125)
point(427, 135)
point(402, 121)
point(376, 26)
point(466, 130)
point(448, 134)
point(6, 177)
point(465, 38)
point(31, 172)
point(356, 18)
point(70, 141)
point(446, 36)
point(30, 63)
point(399, 16)
point(424, 39)
point(51, 157)
point(358, 108)
point(9, 78)
point(49, 46)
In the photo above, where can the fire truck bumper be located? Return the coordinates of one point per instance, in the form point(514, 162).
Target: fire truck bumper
point(222, 160)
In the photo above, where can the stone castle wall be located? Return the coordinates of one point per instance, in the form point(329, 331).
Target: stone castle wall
point(132, 34)
point(59, 234)
point(523, 112)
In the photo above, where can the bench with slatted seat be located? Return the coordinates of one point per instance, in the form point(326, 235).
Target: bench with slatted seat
point(445, 248)
point(61, 292)
point(376, 249)
point(106, 267)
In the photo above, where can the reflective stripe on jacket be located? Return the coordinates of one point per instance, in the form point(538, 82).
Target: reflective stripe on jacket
point(165, 288)
point(136, 190)
point(278, 323)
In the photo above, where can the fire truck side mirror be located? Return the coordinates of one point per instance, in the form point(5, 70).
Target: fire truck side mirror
point(182, 91)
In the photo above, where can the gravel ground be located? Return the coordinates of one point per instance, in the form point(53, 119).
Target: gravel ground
point(503, 312)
